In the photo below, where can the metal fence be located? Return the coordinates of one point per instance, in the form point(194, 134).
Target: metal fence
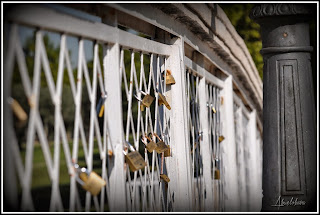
point(192, 117)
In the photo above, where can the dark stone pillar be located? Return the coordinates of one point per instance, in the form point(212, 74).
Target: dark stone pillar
point(289, 118)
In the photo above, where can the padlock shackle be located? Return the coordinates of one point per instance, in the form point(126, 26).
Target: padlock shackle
point(104, 94)
point(168, 72)
point(148, 138)
point(137, 97)
point(143, 139)
point(155, 134)
point(143, 92)
point(130, 146)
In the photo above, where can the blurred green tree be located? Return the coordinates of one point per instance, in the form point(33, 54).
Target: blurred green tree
point(247, 29)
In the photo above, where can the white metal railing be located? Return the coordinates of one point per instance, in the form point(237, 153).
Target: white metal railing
point(192, 127)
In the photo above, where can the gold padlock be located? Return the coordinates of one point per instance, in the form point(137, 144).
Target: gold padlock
point(167, 153)
point(141, 107)
point(217, 174)
point(214, 110)
point(151, 145)
point(147, 99)
point(134, 159)
point(162, 100)
point(165, 177)
point(221, 138)
point(169, 78)
point(90, 181)
point(161, 146)
point(18, 110)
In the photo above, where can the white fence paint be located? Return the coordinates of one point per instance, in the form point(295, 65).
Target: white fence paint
point(191, 166)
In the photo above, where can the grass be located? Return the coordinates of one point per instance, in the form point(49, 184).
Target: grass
point(41, 185)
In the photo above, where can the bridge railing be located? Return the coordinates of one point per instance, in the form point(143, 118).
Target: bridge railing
point(193, 117)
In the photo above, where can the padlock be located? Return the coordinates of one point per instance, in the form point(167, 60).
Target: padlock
point(217, 174)
point(214, 110)
point(169, 78)
point(165, 177)
point(161, 146)
point(195, 146)
point(100, 106)
point(167, 153)
point(18, 110)
point(162, 100)
point(221, 138)
point(90, 181)
point(146, 101)
point(151, 145)
point(134, 159)
point(141, 107)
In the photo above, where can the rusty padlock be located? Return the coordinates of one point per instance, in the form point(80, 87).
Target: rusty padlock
point(169, 78)
point(165, 177)
point(161, 146)
point(134, 159)
point(151, 145)
point(90, 181)
point(162, 100)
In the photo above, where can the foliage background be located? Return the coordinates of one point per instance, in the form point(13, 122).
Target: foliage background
point(247, 29)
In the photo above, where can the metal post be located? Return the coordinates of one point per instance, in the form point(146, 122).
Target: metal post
point(230, 179)
point(289, 136)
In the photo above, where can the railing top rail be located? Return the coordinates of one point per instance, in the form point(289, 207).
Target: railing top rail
point(48, 19)
point(203, 73)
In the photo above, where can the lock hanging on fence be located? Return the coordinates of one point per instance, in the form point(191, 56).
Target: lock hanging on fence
point(18, 110)
point(214, 110)
point(163, 176)
point(162, 100)
point(217, 170)
point(134, 159)
point(161, 146)
point(146, 101)
point(169, 78)
point(221, 138)
point(167, 153)
point(100, 106)
point(90, 181)
point(151, 145)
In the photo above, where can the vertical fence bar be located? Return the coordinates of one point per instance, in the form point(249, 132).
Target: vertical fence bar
point(205, 148)
point(180, 183)
point(253, 161)
point(231, 201)
point(113, 110)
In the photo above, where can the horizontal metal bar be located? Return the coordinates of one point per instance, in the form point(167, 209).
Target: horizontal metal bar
point(203, 73)
point(49, 19)
point(239, 102)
